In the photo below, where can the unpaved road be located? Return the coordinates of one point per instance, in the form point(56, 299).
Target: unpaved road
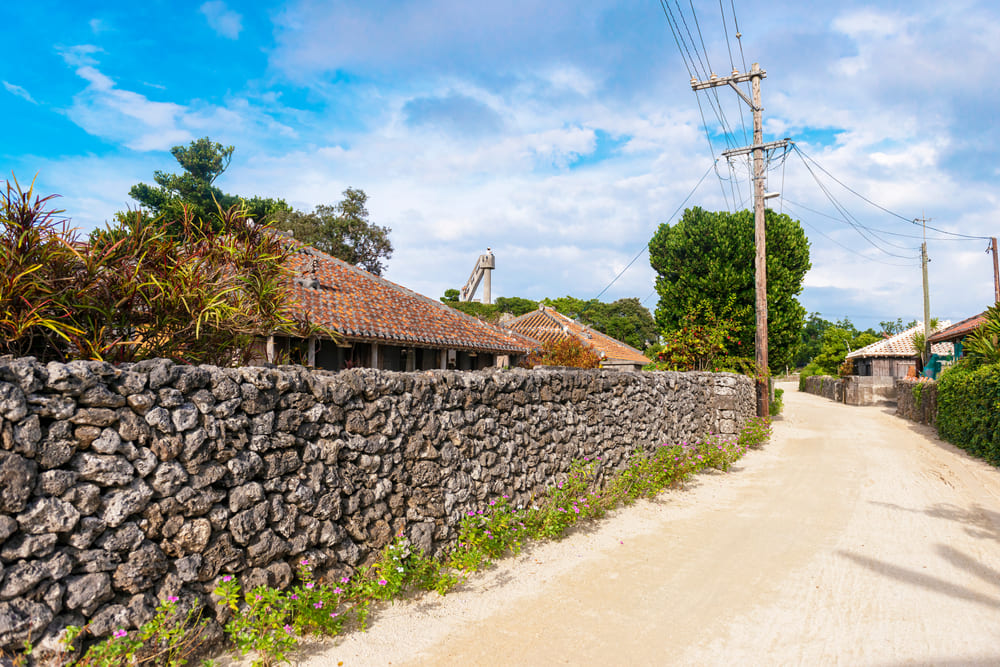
point(854, 537)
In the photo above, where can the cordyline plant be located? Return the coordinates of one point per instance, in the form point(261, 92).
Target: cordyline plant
point(136, 291)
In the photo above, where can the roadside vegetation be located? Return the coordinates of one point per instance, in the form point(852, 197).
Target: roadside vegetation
point(267, 624)
point(968, 393)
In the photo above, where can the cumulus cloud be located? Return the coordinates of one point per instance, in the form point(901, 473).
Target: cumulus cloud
point(222, 20)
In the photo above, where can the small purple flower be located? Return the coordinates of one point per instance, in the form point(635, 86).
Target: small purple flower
point(304, 561)
point(172, 598)
point(344, 580)
point(120, 633)
point(227, 578)
point(288, 628)
point(334, 614)
point(294, 596)
point(338, 590)
point(382, 582)
point(318, 605)
point(309, 584)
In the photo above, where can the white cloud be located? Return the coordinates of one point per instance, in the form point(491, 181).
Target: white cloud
point(222, 20)
point(19, 92)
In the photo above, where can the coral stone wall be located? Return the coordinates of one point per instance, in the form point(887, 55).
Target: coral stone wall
point(917, 400)
point(121, 486)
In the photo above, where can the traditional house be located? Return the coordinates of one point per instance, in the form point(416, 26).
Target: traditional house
point(956, 333)
point(893, 356)
point(380, 324)
point(547, 325)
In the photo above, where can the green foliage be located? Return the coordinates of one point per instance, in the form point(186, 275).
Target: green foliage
point(169, 638)
point(919, 339)
point(812, 339)
point(343, 231)
point(778, 403)
point(567, 351)
point(706, 341)
point(968, 404)
point(709, 257)
point(810, 370)
point(890, 328)
point(193, 194)
point(138, 291)
point(982, 346)
point(839, 340)
point(490, 312)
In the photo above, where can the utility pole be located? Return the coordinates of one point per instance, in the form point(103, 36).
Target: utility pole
point(996, 270)
point(927, 295)
point(759, 230)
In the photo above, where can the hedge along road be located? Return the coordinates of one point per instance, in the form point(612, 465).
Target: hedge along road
point(854, 537)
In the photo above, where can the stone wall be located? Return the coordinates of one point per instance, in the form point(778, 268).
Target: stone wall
point(120, 486)
point(825, 386)
point(853, 389)
point(917, 400)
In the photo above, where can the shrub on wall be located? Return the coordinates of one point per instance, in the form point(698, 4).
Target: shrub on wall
point(969, 409)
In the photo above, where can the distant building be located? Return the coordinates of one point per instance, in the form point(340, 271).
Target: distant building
point(547, 325)
point(893, 356)
point(383, 325)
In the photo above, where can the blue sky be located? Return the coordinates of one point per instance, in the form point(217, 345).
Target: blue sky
point(561, 134)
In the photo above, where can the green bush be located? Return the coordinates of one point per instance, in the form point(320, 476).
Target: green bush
point(969, 409)
point(778, 403)
point(810, 370)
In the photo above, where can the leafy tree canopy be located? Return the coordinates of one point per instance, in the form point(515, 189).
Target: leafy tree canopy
point(342, 230)
point(812, 339)
point(203, 161)
point(891, 328)
point(708, 257)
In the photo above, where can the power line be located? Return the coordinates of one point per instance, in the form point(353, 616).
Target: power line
point(847, 248)
point(857, 227)
point(672, 215)
point(880, 231)
point(879, 206)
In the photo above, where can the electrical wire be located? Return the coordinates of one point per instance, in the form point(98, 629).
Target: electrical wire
point(847, 248)
point(847, 217)
point(672, 215)
point(880, 231)
point(879, 206)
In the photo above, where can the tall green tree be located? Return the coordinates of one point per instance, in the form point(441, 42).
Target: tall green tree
point(709, 256)
point(195, 192)
point(342, 230)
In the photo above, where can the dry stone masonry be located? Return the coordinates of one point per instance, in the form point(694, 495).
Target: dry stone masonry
point(121, 486)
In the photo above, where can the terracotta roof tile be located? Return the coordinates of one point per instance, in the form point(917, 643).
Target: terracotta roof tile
point(960, 330)
point(547, 326)
point(900, 345)
point(363, 306)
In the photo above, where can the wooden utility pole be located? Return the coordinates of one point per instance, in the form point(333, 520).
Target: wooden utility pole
point(927, 295)
point(759, 228)
point(996, 270)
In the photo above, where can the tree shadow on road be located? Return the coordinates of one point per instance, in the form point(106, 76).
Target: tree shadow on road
point(978, 522)
point(932, 583)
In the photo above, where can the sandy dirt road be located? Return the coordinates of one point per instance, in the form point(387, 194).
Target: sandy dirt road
point(854, 537)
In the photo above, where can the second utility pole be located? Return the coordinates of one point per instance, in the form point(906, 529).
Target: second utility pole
point(759, 228)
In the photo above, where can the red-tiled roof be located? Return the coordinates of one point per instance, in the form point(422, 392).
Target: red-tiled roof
point(960, 330)
point(361, 306)
point(900, 345)
point(547, 325)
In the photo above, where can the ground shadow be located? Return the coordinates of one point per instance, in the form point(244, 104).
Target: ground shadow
point(977, 521)
point(919, 579)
